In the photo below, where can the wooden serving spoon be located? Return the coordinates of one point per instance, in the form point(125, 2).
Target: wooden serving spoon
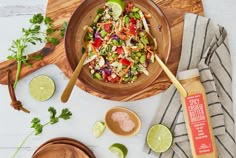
point(67, 91)
point(173, 79)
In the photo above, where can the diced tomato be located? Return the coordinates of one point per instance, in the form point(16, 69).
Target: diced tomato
point(97, 42)
point(120, 50)
point(107, 27)
point(129, 7)
point(133, 29)
point(113, 80)
point(104, 76)
point(125, 62)
point(148, 56)
point(133, 20)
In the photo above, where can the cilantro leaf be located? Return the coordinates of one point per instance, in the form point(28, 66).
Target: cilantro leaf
point(37, 39)
point(54, 120)
point(38, 129)
point(35, 120)
point(50, 30)
point(36, 125)
point(10, 57)
point(37, 19)
point(53, 40)
point(63, 29)
point(48, 21)
point(83, 50)
point(37, 57)
point(52, 111)
point(35, 29)
point(65, 114)
point(100, 11)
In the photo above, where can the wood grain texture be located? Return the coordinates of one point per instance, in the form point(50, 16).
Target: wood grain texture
point(61, 10)
point(67, 143)
point(60, 151)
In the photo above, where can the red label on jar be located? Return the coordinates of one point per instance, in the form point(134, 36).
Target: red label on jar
point(198, 124)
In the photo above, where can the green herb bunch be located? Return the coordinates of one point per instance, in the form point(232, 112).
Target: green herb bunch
point(33, 35)
point(38, 126)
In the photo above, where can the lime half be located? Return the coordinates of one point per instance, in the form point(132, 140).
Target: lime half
point(119, 149)
point(41, 88)
point(159, 138)
point(117, 7)
point(98, 129)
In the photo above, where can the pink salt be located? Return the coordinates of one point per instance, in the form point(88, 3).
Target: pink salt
point(125, 123)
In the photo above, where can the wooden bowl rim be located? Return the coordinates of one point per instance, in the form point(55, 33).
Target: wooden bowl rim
point(60, 146)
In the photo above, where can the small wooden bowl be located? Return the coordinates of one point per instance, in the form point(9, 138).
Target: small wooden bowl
point(114, 126)
point(84, 15)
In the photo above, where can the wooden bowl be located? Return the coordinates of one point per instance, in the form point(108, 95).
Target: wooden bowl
point(60, 151)
point(114, 125)
point(71, 145)
point(84, 15)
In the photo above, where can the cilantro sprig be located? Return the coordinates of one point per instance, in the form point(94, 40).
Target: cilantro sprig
point(33, 35)
point(63, 29)
point(38, 126)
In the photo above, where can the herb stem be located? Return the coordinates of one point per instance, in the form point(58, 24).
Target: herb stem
point(46, 124)
point(23, 142)
point(19, 65)
point(26, 138)
point(38, 127)
point(19, 62)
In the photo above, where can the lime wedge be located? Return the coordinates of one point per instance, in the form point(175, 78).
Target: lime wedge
point(117, 7)
point(98, 129)
point(41, 88)
point(119, 149)
point(159, 138)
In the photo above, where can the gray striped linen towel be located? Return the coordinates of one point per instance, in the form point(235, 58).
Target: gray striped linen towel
point(204, 46)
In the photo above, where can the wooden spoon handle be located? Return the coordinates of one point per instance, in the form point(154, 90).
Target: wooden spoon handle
point(177, 84)
point(66, 93)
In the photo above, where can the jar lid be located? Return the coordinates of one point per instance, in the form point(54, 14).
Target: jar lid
point(187, 74)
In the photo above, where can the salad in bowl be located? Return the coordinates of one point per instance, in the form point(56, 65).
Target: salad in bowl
point(115, 36)
point(117, 43)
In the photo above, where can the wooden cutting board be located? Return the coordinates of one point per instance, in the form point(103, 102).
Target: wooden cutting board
point(61, 10)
